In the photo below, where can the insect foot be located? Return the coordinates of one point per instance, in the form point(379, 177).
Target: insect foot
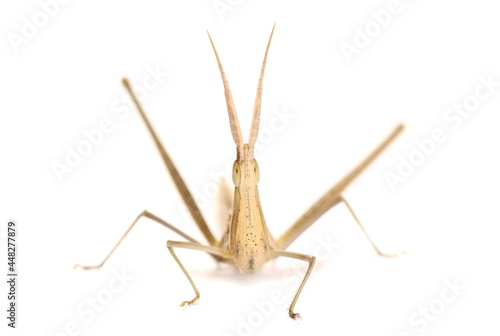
point(391, 255)
point(187, 303)
point(87, 267)
point(295, 316)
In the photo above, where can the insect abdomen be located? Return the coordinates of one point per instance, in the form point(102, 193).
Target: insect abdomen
point(250, 259)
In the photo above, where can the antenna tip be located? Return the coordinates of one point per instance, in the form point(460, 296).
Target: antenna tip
point(210, 38)
point(125, 82)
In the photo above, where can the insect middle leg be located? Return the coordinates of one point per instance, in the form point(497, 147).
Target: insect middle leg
point(224, 202)
point(149, 215)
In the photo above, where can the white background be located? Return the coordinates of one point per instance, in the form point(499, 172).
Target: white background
point(65, 79)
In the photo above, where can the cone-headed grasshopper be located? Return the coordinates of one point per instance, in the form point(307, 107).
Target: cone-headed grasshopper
point(247, 243)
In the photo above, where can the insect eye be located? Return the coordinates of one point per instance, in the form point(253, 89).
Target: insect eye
point(256, 170)
point(236, 173)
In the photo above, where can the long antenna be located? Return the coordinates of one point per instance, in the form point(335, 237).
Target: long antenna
point(231, 110)
point(254, 131)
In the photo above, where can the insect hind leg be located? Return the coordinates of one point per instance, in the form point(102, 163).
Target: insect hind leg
point(375, 247)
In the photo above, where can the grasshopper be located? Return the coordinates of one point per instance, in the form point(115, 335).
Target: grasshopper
point(247, 242)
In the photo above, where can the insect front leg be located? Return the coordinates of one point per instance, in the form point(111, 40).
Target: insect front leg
point(215, 251)
point(311, 260)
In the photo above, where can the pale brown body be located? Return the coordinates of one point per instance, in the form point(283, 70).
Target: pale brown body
point(249, 239)
point(247, 243)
